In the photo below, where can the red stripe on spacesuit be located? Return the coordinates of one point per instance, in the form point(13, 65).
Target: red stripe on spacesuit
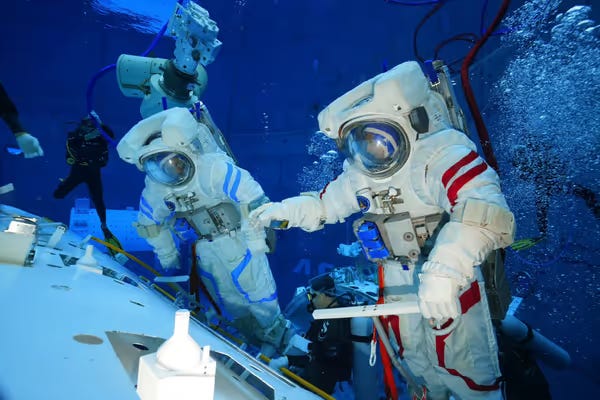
point(463, 180)
point(325, 188)
point(450, 172)
point(467, 300)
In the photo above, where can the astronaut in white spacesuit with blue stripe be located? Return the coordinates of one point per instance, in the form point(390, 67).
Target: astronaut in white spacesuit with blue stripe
point(406, 168)
point(190, 177)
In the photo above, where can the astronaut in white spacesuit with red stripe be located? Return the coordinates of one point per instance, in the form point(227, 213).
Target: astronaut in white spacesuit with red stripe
point(189, 177)
point(406, 169)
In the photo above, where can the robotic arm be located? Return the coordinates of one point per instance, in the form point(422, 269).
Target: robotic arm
point(177, 82)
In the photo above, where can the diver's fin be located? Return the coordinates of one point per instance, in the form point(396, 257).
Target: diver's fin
point(527, 243)
point(112, 239)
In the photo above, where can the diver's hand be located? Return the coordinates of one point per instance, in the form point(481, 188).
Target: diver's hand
point(279, 362)
point(29, 145)
point(438, 296)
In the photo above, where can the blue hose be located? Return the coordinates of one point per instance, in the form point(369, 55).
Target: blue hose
point(97, 75)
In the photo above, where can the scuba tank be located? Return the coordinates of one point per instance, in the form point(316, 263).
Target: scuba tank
point(86, 146)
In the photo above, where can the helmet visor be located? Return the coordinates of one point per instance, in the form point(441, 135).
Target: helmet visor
point(378, 147)
point(168, 168)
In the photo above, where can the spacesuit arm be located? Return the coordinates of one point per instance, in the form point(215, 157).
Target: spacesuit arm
point(223, 179)
point(311, 211)
point(464, 185)
point(154, 224)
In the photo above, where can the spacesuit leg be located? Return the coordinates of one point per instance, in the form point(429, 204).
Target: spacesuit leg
point(409, 334)
point(466, 353)
point(408, 331)
point(242, 282)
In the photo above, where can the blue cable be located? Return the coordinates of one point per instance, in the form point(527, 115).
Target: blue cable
point(104, 70)
point(482, 18)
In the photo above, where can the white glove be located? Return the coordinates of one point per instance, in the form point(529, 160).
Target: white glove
point(438, 296)
point(29, 145)
point(278, 363)
point(254, 237)
point(350, 250)
point(169, 261)
point(267, 213)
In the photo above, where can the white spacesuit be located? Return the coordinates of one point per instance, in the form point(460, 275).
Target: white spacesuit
point(406, 169)
point(190, 177)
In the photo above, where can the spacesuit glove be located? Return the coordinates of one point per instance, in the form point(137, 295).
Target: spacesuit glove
point(279, 362)
point(268, 214)
point(169, 261)
point(254, 237)
point(304, 211)
point(29, 145)
point(438, 296)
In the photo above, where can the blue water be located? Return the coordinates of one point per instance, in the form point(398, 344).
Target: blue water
point(281, 62)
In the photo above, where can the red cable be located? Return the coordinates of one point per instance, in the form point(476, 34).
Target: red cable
point(484, 137)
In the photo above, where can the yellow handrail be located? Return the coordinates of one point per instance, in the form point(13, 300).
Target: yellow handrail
point(285, 371)
point(173, 286)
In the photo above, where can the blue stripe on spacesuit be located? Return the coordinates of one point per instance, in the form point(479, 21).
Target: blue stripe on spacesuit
point(227, 178)
point(232, 194)
point(236, 185)
point(235, 275)
point(146, 209)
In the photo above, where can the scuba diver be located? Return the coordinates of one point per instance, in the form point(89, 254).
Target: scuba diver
point(330, 354)
point(189, 177)
point(28, 144)
point(87, 154)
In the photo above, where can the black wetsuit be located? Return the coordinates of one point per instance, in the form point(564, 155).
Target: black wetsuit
point(523, 378)
point(87, 153)
point(8, 112)
point(330, 354)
